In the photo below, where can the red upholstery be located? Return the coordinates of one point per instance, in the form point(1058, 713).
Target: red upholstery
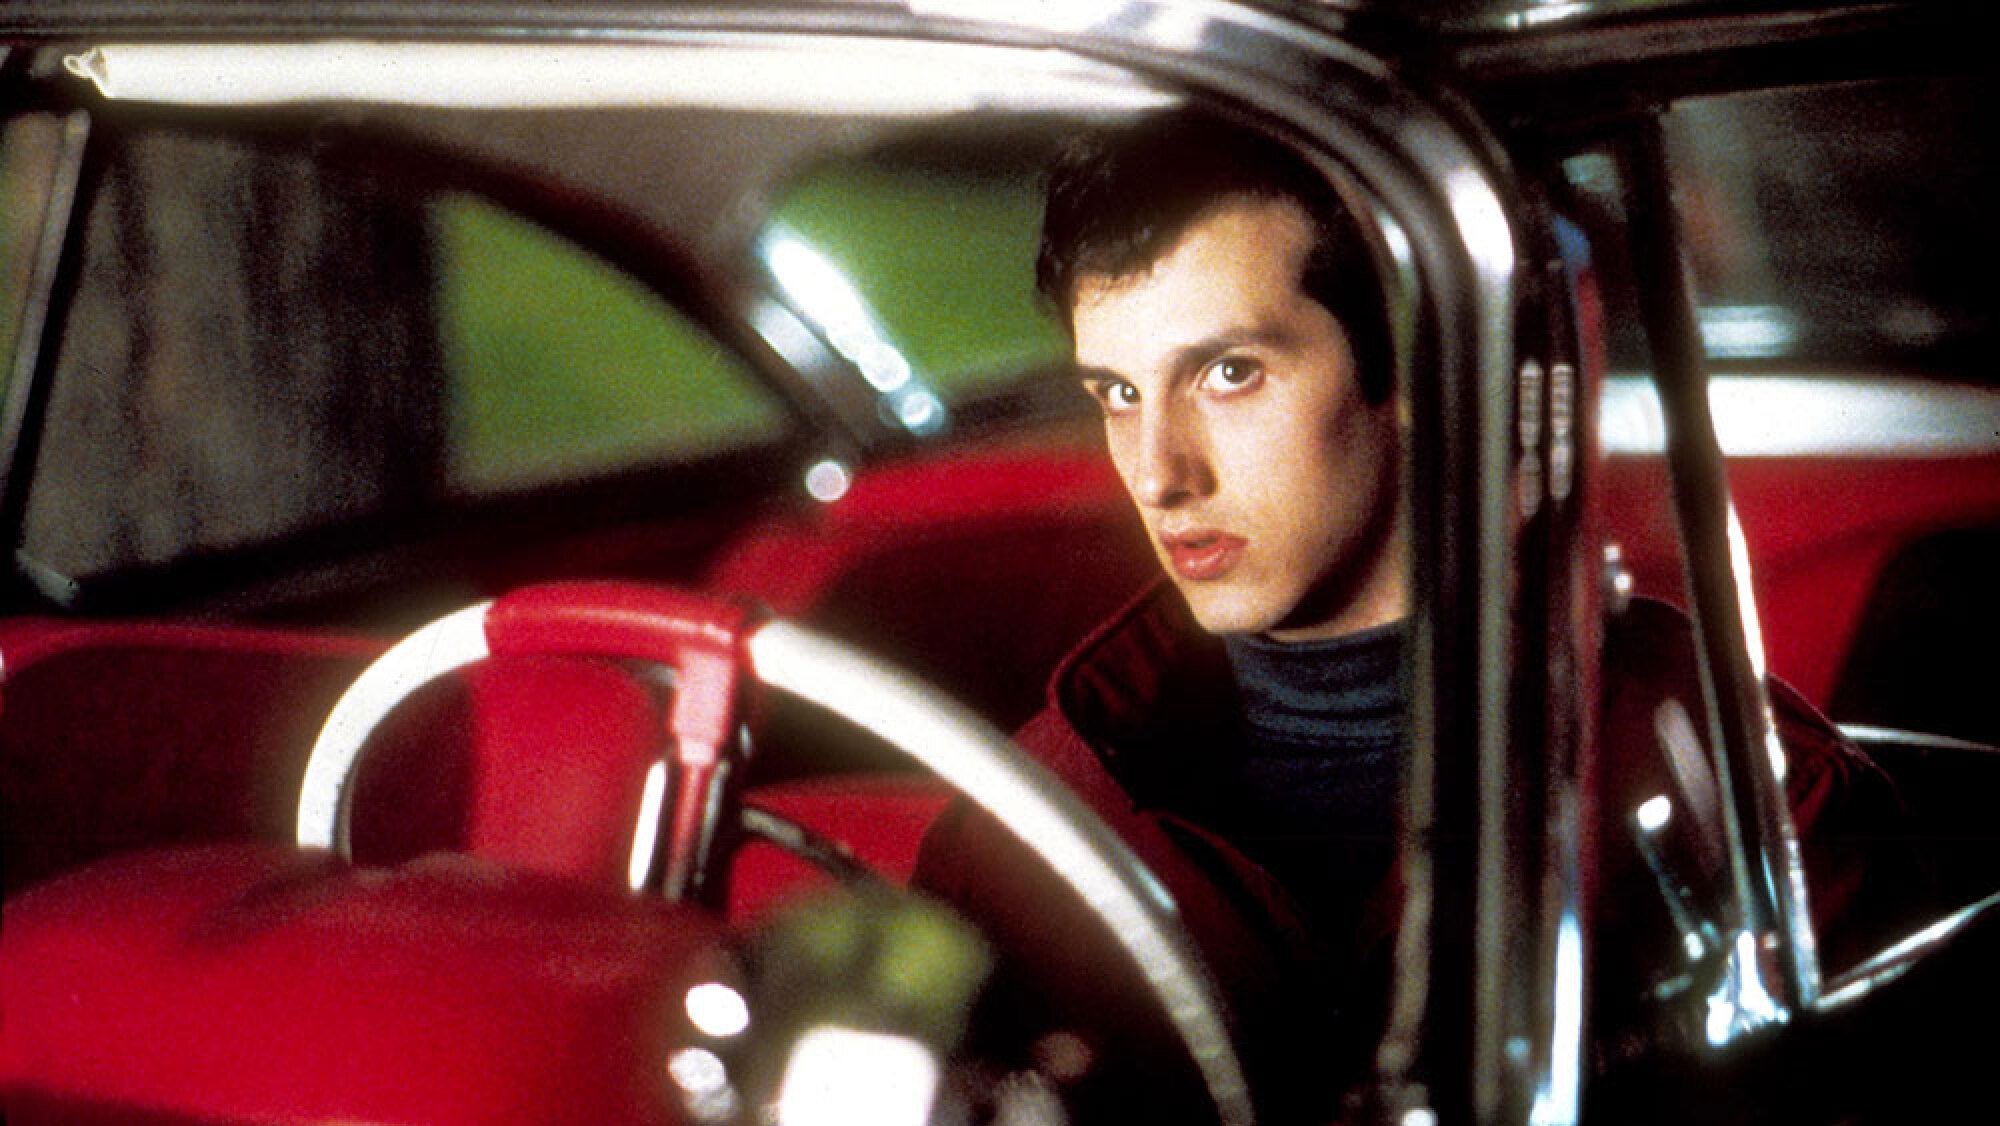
point(115, 736)
point(25, 642)
point(881, 818)
point(182, 984)
point(246, 983)
point(790, 563)
point(977, 571)
point(118, 736)
point(559, 755)
point(1819, 530)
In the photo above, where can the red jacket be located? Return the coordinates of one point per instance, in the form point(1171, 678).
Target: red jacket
point(1128, 715)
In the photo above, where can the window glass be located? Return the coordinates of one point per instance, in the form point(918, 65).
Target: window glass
point(1838, 240)
point(1845, 224)
point(1829, 229)
point(1841, 240)
point(249, 351)
point(560, 366)
point(942, 255)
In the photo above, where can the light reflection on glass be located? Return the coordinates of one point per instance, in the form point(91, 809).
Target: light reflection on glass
point(826, 295)
point(1748, 332)
point(704, 1083)
point(1655, 812)
point(1806, 415)
point(829, 298)
point(1548, 12)
point(1066, 17)
point(920, 412)
point(1561, 1095)
point(697, 1070)
point(1741, 1004)
point(786, 333)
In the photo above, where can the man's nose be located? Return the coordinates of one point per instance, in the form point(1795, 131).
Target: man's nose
point(1168, 467)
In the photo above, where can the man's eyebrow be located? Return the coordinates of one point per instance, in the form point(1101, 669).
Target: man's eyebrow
point(1197, 354)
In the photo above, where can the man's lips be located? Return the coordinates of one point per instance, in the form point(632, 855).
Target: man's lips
point(1204, 555)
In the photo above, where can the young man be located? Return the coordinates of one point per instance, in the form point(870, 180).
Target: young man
point(1241, 724)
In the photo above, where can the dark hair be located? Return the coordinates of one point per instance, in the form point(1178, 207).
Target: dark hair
point(1117, 199)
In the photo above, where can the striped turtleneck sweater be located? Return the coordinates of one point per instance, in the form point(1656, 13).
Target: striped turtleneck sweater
point(1318, 771)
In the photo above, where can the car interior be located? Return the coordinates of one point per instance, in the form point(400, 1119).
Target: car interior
point(315, 378)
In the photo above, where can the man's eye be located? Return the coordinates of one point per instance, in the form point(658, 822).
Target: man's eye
point(1232, 374)
point(1117, 396)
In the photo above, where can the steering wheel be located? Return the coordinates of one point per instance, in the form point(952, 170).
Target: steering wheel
point(712, 645)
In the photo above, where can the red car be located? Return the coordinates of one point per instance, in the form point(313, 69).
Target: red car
point(627, 362)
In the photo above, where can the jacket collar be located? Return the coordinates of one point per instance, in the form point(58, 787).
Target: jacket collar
point(1151, 694)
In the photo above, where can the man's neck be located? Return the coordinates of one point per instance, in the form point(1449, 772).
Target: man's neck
point(1382, 603)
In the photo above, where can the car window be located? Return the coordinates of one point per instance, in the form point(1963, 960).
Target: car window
point(1837, 239)
point(1828, 228)
point(1847, 224)
point(310, 344)
point(559, 365)
point(940, 253)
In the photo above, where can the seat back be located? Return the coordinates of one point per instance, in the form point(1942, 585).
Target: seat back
point(120, 736)
point(151, 974)
point(115, 736)
point(978, 571)
point(252, 983)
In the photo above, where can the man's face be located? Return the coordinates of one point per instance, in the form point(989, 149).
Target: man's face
point(1233, 413)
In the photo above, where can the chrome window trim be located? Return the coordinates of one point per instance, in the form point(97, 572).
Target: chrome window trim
point(1869, 735)
point(23, 394)
point(859, 77)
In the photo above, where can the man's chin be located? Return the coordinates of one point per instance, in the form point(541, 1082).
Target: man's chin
point(1220, 611)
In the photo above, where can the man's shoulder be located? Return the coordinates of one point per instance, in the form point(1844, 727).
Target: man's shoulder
point(1134, 643)
point(1052, 740)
